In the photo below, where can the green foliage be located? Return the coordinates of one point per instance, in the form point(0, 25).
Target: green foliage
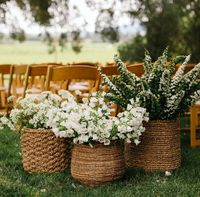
point(164, 92)
point(39, 10)
point(54, 43)
point(110, 34)
point(18, 35)
point(76, 41)
point(162, 29)
point(133, 50)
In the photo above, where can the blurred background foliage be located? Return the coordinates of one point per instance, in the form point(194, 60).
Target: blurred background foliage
point(173, 23)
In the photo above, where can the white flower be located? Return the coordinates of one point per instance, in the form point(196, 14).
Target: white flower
point(78, 92)
point(90, 121)
point(62, 134)
point(129, 107)
point(136, 141)
point(37, 112)
point(107, 142)
point(83, 138)
point(92, 105)
point(85, 100)
point(93, 100)
point(167, 173)
point(10, 99)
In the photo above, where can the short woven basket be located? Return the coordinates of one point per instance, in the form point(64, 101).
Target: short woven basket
point(98, 165)
point(42, 151)
point(159, 149)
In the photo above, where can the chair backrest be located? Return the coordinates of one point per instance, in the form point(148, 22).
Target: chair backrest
point(17, 77)
point(137, 69)
point(4, 70)
point(67, 73)
point(187, 68)
point(110, 70)
point(4, 77)
point(114, 64)
point(35, 77)
point(110, 64)
point(51, 63)
point(84, 64)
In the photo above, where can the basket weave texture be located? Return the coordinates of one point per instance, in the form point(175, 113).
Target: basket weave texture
point(42, 151)
point(98, 165)
point(159, 148)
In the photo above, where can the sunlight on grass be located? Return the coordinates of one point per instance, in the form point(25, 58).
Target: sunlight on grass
point(37, 52)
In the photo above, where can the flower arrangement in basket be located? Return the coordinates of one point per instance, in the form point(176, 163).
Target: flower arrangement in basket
point(165, 93)
point(96, 156)
point(42, 151)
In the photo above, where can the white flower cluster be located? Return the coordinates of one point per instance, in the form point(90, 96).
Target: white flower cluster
point(5, 122)
point(32, 111)
point(130, 126)
point(86, 122)
point(90, 121)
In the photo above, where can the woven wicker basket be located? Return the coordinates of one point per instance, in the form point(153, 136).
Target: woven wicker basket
point(98, 165)
point(43, 152)
point(159, 148)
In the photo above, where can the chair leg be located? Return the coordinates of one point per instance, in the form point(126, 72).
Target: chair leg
point(3, 99)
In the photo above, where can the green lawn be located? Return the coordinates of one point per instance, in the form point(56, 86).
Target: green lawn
point(37, 52)
point(14, 181)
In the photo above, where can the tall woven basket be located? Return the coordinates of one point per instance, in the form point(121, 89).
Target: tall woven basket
point(42, 151)
point(98, 165)
point(159, 149)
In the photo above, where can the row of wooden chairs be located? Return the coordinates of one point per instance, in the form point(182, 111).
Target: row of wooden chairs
point(23, 77)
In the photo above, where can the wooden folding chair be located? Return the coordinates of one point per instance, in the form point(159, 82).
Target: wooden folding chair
point(64, 74)
point(16, 82)
point(4, 77)
point(35, 78)
point(193, 114)
point(194, 123)
point(76, 83)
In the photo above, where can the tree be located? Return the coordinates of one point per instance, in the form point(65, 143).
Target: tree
point(191, 28)
point(175, 23)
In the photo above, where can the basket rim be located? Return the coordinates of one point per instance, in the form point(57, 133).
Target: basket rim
point(40, 130)
point(98, 144)
point(163, 120)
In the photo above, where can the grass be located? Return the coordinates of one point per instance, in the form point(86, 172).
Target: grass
point(14, 181)
point(37, 52)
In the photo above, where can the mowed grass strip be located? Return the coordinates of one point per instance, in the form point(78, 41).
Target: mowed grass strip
point(37, 52)
point(14, 181)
